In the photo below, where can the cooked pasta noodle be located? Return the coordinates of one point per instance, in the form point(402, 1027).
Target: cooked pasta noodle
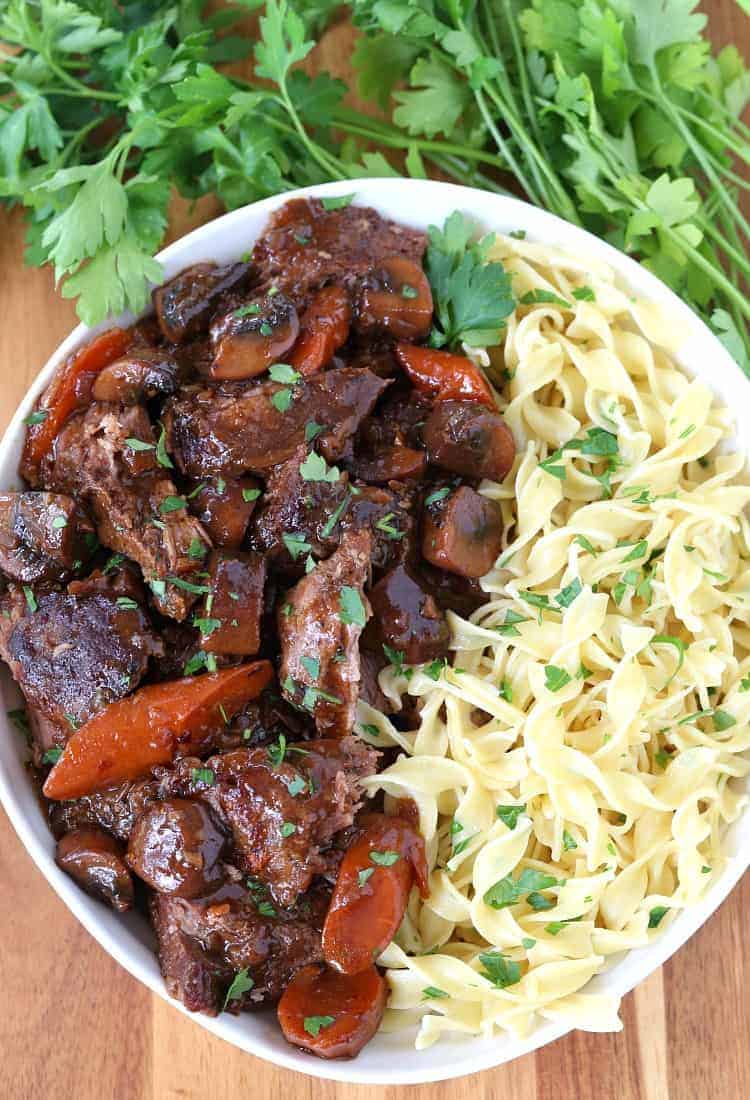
point(573, 767)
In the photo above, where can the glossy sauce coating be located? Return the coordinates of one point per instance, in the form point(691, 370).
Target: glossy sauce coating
point(463, 533)
point(176, 846)
point(330, 1014)
point(372, 891)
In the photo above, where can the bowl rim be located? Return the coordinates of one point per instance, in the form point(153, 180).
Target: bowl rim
point(543, 227)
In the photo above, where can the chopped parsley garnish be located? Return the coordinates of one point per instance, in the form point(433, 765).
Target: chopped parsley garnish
point(196, 550)
point(312, 430)
point(569, 841)
point(199, 661)
point(30, 599)
point(313, 1025)
point(296, 545)
point(396, 658)
point(527, 943)
point(507, 891)
point(555, 678)
point(282, 372)
point(364, 875)
point(51, 756)
point(539, 297)
point(266, 909)
point(556, 926)
point(384, 859)
point(315, 468)
point(508, 627)
point(499, 970)
point(433, 993)
point(387, 527)
point(439, 494)
point(37, 417)
point(161, 449)
point(172, 504)
point(333, 519)
point(351, 609)
point(311, 666)
point(509, 815)
point(296, 786)
point(282, 399)
point(337, 202)
point(584, 294)
point(126, 603)
point(639, 551)
point(505, 691)
point(409, 291)
point(251, 310)
point(656, 915)
point(241, 983)
point(138, 444)
point(249, 495)
point(288, 828)
point(202, 775)
point(677, 644)
point(538, 902)
point(113, 562)
point(59, 522)
point(188, 586)
point(567, 594)
point(436, 668)
point(207, 626)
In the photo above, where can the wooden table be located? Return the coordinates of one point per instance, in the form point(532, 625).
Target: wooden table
point(72, 1023)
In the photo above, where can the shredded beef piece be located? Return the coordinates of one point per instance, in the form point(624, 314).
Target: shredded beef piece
point(306, 246)
point(203, 943)
point(215, 431)
point(131, 497)
point(73, 655)
point(251, 792)
point(319, 625)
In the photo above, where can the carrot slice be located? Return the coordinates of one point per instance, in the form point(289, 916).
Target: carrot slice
point(371, 893)
point(65, 394)
point(153, 726)
point(332, 1015)
point(445, 376)
point(325, 327)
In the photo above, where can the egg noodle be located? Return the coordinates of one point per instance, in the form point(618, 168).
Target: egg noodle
point(573, 765)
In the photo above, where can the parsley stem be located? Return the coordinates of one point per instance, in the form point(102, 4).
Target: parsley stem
point(80, 89)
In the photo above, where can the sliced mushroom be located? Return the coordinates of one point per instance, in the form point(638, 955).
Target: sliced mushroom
point(95, 860)
point(395, 297)
point(139, 376)
point(408, 618)
point(466, 438)
point(248, 339)
point(463, 533)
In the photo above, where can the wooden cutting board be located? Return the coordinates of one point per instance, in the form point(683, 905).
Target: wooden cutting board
point(73, 1024)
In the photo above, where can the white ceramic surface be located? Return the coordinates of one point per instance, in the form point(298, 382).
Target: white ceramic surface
point(388, 1059)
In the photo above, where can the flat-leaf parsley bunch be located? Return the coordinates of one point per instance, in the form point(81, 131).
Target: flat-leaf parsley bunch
point(612, 113)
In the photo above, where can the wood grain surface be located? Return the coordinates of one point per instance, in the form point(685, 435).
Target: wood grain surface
point(73, 1024)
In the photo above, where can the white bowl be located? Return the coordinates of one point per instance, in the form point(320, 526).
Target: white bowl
point(388, 1059)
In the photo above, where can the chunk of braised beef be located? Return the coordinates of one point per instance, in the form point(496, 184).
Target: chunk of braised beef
point(95, 860)
point(72, 655)
point(248, 339)
point(43, 536)
point(372, 662)
point(467, 438)
point(285, 802)
point(115, 809)
point(140, 375)
point(118, 577)
point(296, 517)
point(46, 735)
point(203, 943)
point(217, 433)
point(299, 518)
point(224, 507)
point(375, 354)
point(319, 624)
point(453, 593)
point(306, 246)
point(265, 720)
point(184, 303)
point(136, 507)
point(232, 611)
point(398, 422)
point(463, 533)
point(408, 618)
point(176, 846)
